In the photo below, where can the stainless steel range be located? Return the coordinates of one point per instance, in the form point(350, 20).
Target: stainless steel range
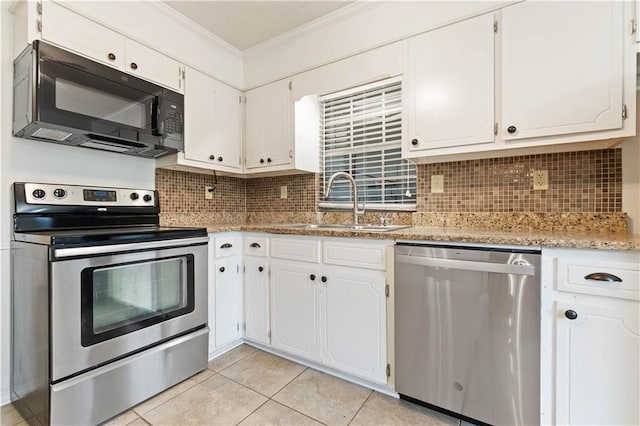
point(108, 307)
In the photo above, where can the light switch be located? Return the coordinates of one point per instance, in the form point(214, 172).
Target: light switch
point(283, 191)
point(208, 193)
point(437, 184)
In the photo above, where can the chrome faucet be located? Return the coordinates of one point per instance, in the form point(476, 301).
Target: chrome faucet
point(357, 212)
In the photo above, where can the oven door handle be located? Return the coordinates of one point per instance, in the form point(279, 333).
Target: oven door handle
point(114, 248)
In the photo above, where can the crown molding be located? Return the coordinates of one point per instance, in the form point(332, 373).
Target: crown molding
point(160, 5)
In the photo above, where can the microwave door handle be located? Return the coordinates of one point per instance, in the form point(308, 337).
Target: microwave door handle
point(156, 124)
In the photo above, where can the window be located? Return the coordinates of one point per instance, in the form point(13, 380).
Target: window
point(361, 132)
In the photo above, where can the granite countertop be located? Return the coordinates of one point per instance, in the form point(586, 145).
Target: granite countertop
point(583, 240)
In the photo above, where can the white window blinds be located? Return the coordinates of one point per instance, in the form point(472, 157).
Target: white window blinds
point(361, 131)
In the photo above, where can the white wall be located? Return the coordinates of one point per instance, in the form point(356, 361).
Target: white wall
point(25, 160)
point(631, 178)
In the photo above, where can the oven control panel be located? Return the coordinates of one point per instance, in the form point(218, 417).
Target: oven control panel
point(75, 195)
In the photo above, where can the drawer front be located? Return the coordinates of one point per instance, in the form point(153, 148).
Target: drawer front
point(613, 275)
point(358, 255)
point(295, 249)
point(256, 246)
point(226, 246)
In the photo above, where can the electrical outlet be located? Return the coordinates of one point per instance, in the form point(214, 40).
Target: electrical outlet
point(208, 192)
point(283, 192)
point(540, 180)
point(437, 184)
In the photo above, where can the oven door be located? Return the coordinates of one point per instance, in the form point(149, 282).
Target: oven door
point(106, 305)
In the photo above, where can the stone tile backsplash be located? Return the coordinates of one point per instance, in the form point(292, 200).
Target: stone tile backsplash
point(585, 184)
point(586, 181)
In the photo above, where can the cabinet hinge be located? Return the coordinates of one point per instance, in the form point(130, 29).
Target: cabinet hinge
point(290, 153)
point(244, 268)
point(388, 370)
point(244, 326)
point(39, 8)
point(237, 326)
point(238, 269)
point(39, 25)
point(386, 290)
point(624, 112)
point(495, 26)
point(240, 99)
point(269, 334)
point(495, 128)
point(634, 27)
point(290, 85)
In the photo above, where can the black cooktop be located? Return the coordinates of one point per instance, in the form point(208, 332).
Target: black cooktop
point(107, 236)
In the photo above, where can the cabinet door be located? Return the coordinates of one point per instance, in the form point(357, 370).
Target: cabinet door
point(228, 301)
point(268, 124)
point(354, 315)
point(449, 92)
point(154, 66)
point(256, 299)
point(200, 90)
point(294, 309)
point(74, 32)
point(227, 126)
point(213, 122)
point(562, 68)
point(597, 369)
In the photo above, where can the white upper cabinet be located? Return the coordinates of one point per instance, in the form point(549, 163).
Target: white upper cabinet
point(151, 65)
point(562, 68)
point(268, 127)
point(74, 32)
point(449, 86)
point(213, 124)
point(88, 38)
point(562, 75)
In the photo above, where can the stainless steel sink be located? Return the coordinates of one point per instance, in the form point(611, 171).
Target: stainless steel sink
point(339, 227)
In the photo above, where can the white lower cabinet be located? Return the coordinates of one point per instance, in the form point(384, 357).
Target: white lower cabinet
point(225, 291)
point(590, 359)
point(295, 308)
point(353, 314)
point(228, 301)
point(335, 315)
point(597, 363)
point(256, 300)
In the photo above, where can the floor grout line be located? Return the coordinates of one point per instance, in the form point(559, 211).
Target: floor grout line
point(361, 406)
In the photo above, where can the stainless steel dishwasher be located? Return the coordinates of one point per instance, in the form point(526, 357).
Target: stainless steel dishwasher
point(467, 331)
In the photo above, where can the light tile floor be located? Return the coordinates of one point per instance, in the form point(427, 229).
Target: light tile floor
point(247, 386)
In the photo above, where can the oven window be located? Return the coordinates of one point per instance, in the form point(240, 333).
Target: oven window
point(120, 299)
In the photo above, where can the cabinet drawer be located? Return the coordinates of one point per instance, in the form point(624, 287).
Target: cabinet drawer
point(614, 274)
point(295, 249)
point(226, 246)
point(358, 255)
point(256, 245)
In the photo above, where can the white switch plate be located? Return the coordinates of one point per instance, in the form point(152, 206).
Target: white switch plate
point(540, 180)
point(283, 191)
point(208, 192)
point(437, 184)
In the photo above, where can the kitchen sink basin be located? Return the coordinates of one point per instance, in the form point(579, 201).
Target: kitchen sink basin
point(339, 227)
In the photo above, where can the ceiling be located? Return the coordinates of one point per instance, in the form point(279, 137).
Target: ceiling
point(244, 24)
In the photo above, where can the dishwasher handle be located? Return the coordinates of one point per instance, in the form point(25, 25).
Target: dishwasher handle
point(468, 265)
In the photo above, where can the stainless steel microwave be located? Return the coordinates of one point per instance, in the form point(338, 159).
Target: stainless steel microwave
point(64, 98)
